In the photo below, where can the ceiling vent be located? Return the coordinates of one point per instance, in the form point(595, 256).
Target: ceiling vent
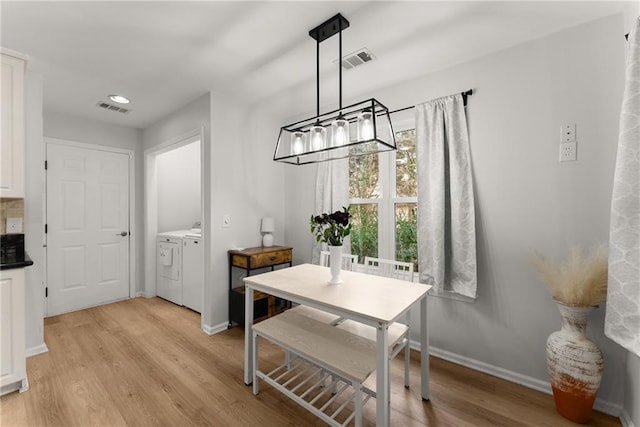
point(357, 58)
point(112, 107)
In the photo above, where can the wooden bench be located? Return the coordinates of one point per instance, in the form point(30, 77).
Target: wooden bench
point(321, 352)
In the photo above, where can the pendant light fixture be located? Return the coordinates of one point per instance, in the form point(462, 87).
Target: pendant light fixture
point(355, 130)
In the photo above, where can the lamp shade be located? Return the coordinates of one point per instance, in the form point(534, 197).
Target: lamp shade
point(297, 143)
point(268, 225)
point(365, 125)
point(318, 138)
point(340, 132)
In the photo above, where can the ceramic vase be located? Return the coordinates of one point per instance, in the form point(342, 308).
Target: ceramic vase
point(335, 264)
point(575, 365)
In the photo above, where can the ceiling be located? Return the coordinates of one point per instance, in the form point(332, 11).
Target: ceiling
point(163, 54)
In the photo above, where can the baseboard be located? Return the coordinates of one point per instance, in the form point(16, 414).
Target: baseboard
point(608, 408)
point(39, 349)
point(140, 294)
point(211, 330)
point(514, 377)
point(625, 419)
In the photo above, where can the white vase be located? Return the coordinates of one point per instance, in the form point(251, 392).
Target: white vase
point(335, 263)
point(575, 365)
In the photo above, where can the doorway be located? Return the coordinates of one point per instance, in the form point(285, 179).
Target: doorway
point(88, 225)
point(173, 196)
point(178, 186)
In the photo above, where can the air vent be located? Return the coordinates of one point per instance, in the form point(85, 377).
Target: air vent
point(112, 107)
point(357, 58)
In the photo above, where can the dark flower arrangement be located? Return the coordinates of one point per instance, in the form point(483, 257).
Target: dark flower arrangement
point(331, 228)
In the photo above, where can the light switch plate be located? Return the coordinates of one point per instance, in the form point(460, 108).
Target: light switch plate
point(14, 225)
point(226, 221)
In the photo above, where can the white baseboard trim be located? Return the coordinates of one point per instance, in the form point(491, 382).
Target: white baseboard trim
point(211, 330)
point(625, 419)
point(608, 408)
point(140, 294)
point(514, 377)
point(39, 349)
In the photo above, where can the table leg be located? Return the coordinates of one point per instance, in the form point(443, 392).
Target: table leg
point(248, 333)
point(383, 390)
point(424, 348)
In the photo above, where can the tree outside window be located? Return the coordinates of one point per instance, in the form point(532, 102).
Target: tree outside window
point(383, 191)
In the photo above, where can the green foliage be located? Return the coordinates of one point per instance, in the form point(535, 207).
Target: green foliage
point(406, 164)
point(407, 234)
point(364, 238)
point(363, 177)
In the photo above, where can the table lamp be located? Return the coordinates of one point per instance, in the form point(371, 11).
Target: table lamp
point(267, 228)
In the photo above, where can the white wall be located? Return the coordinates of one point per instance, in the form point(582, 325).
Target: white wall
point(179, 187)
point(526, 200)
point(193, 117)
point(71, 128)
point(632, 389)
point(34, 215)
point(64, 126)
point(245, 183)
point(240, 179)
point(631, 15)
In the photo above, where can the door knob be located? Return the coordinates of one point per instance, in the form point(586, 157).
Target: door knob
point(122, 233)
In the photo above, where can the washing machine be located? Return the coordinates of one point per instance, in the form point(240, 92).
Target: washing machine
point(169, 265)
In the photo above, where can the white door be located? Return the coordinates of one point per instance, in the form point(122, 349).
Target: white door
point(88, 227)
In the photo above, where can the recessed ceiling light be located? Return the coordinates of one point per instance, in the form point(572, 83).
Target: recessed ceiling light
point(119, 99)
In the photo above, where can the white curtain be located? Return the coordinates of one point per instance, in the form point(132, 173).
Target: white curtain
point(622, 320)
point(446, 215)
point(332, 193)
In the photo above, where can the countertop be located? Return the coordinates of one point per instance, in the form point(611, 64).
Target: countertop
point(26, 263)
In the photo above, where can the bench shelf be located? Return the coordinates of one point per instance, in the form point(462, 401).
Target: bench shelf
point(321, 352)
point(311, 386)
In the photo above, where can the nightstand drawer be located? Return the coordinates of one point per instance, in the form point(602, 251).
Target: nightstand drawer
point(261, 259)
point(268, 259)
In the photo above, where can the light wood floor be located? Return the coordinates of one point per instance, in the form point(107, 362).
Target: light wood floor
point(146, 362)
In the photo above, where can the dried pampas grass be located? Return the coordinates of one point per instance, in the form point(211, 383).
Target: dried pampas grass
point(581, 280)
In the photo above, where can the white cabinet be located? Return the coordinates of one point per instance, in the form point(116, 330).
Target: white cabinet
point(13, 364)
point(192, 270)
point(12, 119)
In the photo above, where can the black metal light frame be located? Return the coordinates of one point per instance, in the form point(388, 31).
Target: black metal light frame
point(382, 137)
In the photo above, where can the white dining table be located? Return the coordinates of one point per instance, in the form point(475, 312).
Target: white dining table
point(373, 300)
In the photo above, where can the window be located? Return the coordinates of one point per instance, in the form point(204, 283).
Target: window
point(384, 202)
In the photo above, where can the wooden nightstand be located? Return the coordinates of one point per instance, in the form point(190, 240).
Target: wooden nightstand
point(251, 259)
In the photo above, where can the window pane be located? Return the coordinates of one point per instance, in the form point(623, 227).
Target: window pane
point(406, 233)
point(364, 230)
point(406, 169)
point(364, 177)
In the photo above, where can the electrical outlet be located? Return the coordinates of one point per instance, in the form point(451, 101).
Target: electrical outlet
point(226, 221)
point(568, 151)
point(14, 225)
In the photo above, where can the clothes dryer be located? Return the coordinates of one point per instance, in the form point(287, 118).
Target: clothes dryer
point(192, 278)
